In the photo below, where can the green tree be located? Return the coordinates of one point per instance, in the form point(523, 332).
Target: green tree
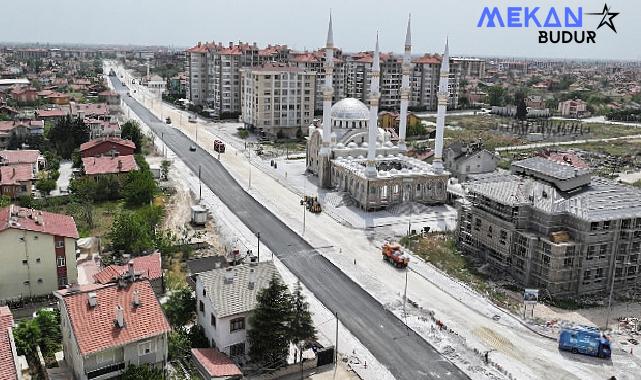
point(45, 184)
point(67, 135)
point(197, 337)
point(521, 107)
point(5, 201)
point(140, 188)
point(26, 335)
point(131, 131)
point(178, 344)
point(301, 326)
point(50, 334)
point(130, 233)
point(180, 308)
point(141, 372)
point(269, 334)
point(299, 133)
point(496, 95)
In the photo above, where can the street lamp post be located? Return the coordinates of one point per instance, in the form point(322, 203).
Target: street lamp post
point(607, 318)
point(258, 245)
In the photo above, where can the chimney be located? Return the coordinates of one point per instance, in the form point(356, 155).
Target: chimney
point(130, 268)
point(92, 299)
point(119, 164)
point(229, 276)
point(231, 44)
point(136, 298)
point(120, 316)
point(252, 278)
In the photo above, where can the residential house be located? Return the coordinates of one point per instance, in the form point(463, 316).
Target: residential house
point(57, 98)
point(106, 328)
point(16, 180)
point(573, 108)
point(212, 364)
point(38, 252)
point(109, 146)
point(91, 110)
point(225, 299)
point(463, 159)
point(51, 114)
point(109, 97)
point(102, 128)
point(24, 95)
point(27, 156)
point(391, 120)
point(148, 267)
point(535, 101)
point(97, 166)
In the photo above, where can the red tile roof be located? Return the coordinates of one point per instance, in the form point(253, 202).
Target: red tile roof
point(94, 327)
point(90, 108)
point(51, 113)
point(565, 158)
point(215, 363)
point(148, 267)
point(38, 221)
point(109, 165)
point(429, 59)
point(93, 143)
point(15, 174)
point(7, 363)
point(19, 156)
point(6, 126)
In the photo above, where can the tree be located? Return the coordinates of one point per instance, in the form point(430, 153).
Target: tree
point(197, 337)
point(301, 327)
point(131, 131)
point(141, 372)
point(130, 233)
point(496, 95)
point(67, 135)
point(521, 107)
point(5, 201)
point(164, 168)
point(50, 334)
point(45, 184)
point(140, 188)
point(180, 308)
point(299, 133)
point(26, 335)
point(178, 344)
point(269, 334)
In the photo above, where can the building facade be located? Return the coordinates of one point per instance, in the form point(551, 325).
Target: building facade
point(39, 252)
point(278, 100)
point(551, 225)
point(225, 299)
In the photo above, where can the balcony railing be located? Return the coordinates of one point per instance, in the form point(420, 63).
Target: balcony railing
point(105, 370)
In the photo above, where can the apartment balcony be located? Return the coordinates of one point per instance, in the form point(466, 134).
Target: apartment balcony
point(106, 372)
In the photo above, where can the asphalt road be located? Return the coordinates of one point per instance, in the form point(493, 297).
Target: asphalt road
point(402, 351)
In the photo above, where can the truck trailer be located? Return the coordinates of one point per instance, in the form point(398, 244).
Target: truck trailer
point(584, 340)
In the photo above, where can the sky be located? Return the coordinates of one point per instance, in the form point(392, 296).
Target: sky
point(302, 24)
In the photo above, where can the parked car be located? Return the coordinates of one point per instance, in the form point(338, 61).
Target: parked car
point(168, 120)
point(192, 148)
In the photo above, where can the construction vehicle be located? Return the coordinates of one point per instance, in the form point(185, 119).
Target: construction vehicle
point(219, 146)
point(311, 202)
point(584, 340)
point(393, 253)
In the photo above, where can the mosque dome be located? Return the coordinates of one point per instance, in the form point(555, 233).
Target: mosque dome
point(350, 109)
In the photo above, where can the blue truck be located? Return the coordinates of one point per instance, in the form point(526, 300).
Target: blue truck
point(584, 340)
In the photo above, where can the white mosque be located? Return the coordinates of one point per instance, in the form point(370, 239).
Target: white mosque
point(350, 153)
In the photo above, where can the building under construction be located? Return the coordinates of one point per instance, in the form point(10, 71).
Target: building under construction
point(550, 225)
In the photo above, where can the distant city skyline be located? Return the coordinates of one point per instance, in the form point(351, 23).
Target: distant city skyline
point(303, 25)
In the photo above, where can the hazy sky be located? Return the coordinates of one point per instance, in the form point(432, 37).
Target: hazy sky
point(303, 24)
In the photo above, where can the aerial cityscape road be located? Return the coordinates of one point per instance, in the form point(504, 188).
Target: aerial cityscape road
point(411, 357)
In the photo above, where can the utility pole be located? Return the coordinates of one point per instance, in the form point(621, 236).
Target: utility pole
point(405, 296)
point(336, 344)
point(258, 245)
point(250, 169)
point(200, 187)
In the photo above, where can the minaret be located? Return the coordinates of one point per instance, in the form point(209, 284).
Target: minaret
point(328, 89)
point(443, 95)
point(374, 95)
point(405, 87)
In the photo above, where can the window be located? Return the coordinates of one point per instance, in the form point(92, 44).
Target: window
point(145, 348)
point(606, 225)
point(105, 357)
point(587, 275)
point(236, 324)
point(201, 306)
point(594, 226)
point(237, 349)
point(38, 260)
point(24, 262)
point(546, 260)
point(590, 253)
point(60, 260)
point(60, 243)
point(603, 250)
point(62, 281)
point(213, 320)
point(40, 280)
point(204, 292)
point(567, 262)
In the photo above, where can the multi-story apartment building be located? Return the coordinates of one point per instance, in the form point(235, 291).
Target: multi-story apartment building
point(38, 252)
point(106, 328)
point(225, 298)
point(220, 89)
point(278, 100)
point(551, 225)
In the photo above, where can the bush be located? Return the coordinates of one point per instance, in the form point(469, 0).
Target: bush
point(140, 188)
point(243, 133)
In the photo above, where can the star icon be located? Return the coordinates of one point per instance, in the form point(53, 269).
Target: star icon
point(607, 17)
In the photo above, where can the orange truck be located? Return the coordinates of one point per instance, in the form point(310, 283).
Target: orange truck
point(393, 253)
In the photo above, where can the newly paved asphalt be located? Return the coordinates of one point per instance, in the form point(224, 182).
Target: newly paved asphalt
point(403, 352)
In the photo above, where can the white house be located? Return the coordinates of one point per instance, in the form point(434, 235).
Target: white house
point(224, 300)
point(463, 159)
